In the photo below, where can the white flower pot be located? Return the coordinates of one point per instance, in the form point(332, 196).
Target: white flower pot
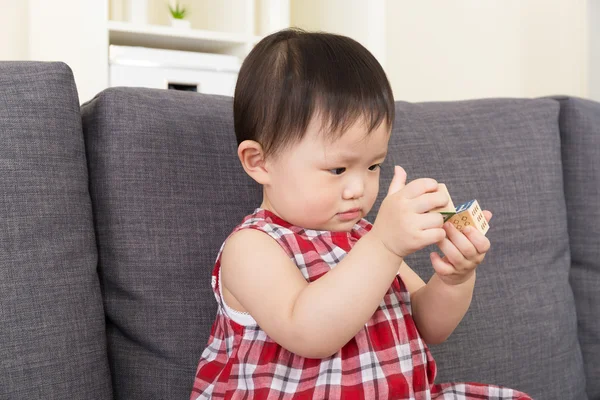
point(180, 23)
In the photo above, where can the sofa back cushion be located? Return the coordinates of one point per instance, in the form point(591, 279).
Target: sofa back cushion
point(521, 328)
point(167, 189)
point(580, 134)
point(52, 339)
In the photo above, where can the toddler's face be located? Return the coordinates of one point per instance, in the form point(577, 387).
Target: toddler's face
point(327, 185)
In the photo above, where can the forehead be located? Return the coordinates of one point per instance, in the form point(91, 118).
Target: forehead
point(354, 141)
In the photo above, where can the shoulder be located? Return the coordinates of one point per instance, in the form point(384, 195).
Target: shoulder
point(256, 228)
point(251, 265)
point(263, 227)
point(248, 238)
point(251, 247)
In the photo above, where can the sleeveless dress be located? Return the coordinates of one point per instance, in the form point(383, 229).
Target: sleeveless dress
point(387, 359)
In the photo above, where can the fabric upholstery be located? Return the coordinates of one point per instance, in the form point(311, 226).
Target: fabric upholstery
point(521, 329)
point(580, 136)
point(52, 339)
point(167, 189)
point(136, 208)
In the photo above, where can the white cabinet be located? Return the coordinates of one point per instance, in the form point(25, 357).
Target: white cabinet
point(147, 50)
point(171, 69)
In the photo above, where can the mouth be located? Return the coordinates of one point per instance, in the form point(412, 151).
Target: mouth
point(351, 214)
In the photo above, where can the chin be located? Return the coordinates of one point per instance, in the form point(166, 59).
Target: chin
point(332, 225)
point(345, 226)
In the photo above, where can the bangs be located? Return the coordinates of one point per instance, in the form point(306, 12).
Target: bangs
point(299, 76)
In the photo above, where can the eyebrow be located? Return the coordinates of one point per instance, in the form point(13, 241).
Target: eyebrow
point(353, 157)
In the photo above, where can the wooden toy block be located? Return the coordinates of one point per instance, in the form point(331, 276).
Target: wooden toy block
point(448, 210)
point(470, 214)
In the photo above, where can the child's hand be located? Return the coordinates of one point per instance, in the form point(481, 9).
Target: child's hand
point(403, 223)
point(464, 251)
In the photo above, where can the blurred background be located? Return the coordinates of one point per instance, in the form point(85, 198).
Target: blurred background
point(431, 49)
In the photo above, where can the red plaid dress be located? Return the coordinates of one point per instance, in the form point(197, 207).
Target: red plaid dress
point(387, 359)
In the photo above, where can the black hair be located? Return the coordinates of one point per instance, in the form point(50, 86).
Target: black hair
point(292, 74)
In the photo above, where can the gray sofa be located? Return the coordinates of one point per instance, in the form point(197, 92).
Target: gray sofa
point(112, 214)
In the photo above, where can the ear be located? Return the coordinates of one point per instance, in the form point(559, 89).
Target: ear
point(252, 157)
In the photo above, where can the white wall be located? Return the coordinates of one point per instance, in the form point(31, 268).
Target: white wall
point(73, 32)
point(497, 48)
point(454, 50)
point(361, 20)
point(555, 56)
point(431, 49)
point(14, 34)
point(79, 37)
point(594, 49)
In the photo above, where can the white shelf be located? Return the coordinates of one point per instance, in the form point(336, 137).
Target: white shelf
point(166, 37)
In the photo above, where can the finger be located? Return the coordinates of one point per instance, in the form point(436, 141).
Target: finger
point(452, 253)
point(441, 266)
point(420, 186)
point(477, 239)
point(430, 201)
point(398, 181)
point(488, 215)
point(432, 236)
point(461, 241)
point(431, 220)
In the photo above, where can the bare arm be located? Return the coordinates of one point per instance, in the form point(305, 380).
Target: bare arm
point(437, 307)
point(312, 320)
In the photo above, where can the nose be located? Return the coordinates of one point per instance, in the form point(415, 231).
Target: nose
point(354, 188)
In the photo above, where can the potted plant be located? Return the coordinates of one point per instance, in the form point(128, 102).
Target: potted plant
point(178, 13)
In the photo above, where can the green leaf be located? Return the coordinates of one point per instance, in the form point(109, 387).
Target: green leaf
point(179, 12)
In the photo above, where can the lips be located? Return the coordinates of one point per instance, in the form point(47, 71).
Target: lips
point(349, 215)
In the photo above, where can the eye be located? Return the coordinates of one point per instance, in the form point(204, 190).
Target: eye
point(337, 171)
point(374, 167)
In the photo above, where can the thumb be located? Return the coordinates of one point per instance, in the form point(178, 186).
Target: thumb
point(398, 181)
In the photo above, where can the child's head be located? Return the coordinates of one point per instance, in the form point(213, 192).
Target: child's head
point(313, 113)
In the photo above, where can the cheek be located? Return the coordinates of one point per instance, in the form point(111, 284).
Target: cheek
point(376, 186)
point(317, 192)
point(286, 176)
point(373, 190)
point(294, 185)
